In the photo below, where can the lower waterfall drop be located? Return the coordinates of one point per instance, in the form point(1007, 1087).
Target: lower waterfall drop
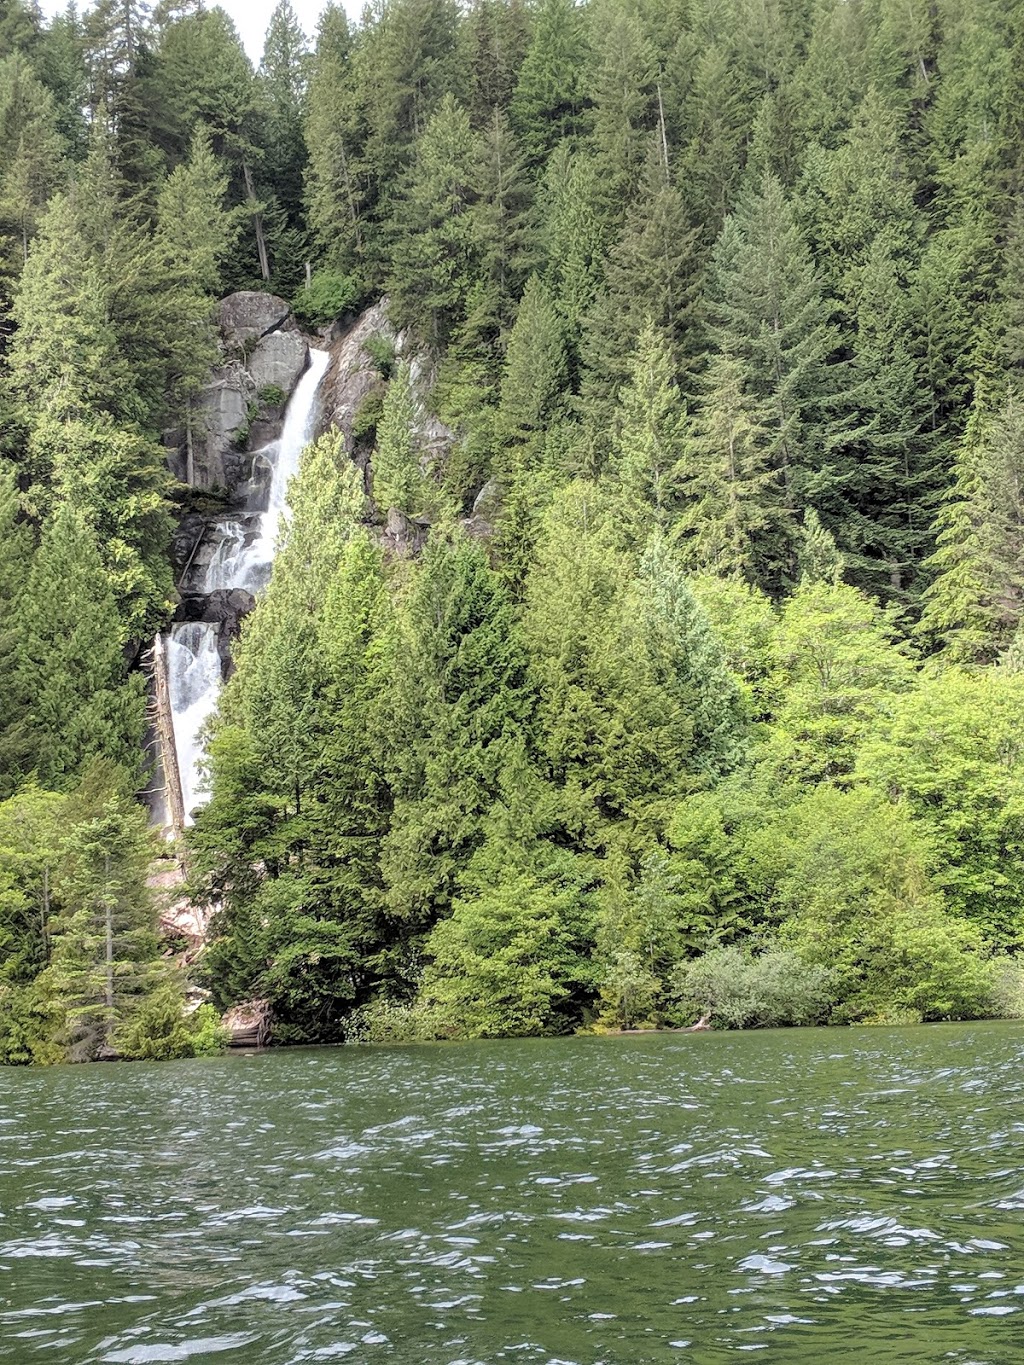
point(242, 559)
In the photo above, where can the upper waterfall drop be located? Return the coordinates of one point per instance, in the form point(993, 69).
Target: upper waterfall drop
point(299, 421)
point(244, 553)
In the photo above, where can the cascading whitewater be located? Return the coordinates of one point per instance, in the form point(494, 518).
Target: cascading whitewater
point(242, 558)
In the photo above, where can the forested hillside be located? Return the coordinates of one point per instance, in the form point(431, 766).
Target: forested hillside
point(701, 690)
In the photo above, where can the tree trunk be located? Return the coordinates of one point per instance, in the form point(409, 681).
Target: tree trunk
point(165, 733)
point(257, 218)
point(190, 454)
point(109, 958)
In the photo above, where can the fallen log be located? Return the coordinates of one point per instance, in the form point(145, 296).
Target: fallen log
point(248, 1023)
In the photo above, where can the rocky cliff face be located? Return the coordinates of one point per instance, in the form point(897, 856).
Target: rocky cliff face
point(241, 409)
point(352, 379)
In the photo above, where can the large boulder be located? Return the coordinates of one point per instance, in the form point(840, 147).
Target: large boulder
point(278, 361)
point(249, 315)
point(404, 536)
point(222, 415)
point(233, 419)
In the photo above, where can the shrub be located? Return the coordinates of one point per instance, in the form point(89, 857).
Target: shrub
point(737, 989)
point(392, 1021)
point(272, 395)
point(381, 351)
point(629, 992)
point(23, 1027)
point(160, 1030)
point(367, 416)
point(328, 296)
point(1007, 988)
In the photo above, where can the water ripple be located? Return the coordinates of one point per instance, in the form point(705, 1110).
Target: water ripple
point(852, 1195)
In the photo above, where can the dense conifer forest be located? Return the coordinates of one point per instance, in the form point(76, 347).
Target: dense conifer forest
point(702, 692)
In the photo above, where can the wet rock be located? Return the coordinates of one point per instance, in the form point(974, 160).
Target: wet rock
point(487, 507)
point(223, 606)
point(185, 541)
point(222, 416)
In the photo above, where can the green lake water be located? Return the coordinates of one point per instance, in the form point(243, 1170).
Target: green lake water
point(851, 1195)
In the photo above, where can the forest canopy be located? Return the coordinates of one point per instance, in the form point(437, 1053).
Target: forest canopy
point(701, 692)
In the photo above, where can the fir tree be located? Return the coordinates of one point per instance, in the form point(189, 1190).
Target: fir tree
point(549, 99)
point(767, 313)
point(282, 82)
point(32, 155)
point(460, 701)
point(398, 479)
point(435, 255)
point(647, 444)
point(973, 605)
point(105, 957)
point(71, 685)
point(733, 518)
point(335, 194)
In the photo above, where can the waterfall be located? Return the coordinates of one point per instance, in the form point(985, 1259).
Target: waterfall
point(242, 557)
point(194, 678)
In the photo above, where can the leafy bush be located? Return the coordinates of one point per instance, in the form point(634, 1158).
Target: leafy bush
point(381, 351)
point(737, 989)
point(367, 416)
point(392, 1021)
point(853, 890)
point(160, 1030)
point(328, 296)
point(1007, 988)
point(508, 962)
point(891, 1015)
point(629, 991)
point(23, 1027)
point(273, 395)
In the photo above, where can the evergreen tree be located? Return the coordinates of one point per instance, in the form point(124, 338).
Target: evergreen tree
point(105, 957)
point(572, 239)
point(282, 82)
point(973, 605)
point(839, 666)
point(398, 478)
point(647, 444)
point(504, 231)
point(32, 155)
point(70, 685)
point(15, 551)
point(460, 702)
point(622, 89)
point(194, 228)
point(767, 313)
point(435, 254)
point(535, 372)
point(497, 37)
point(275, 695)
point(734, 518)
point(649, 277)
point(335, 193)
point(549, 98)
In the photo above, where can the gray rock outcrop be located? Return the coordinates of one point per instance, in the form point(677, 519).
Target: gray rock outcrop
point(234, 414)
point(278, 361)
point(352, 375)
point(248, 315)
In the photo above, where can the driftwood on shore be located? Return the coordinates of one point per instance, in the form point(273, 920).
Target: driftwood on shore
point(248, 1024)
